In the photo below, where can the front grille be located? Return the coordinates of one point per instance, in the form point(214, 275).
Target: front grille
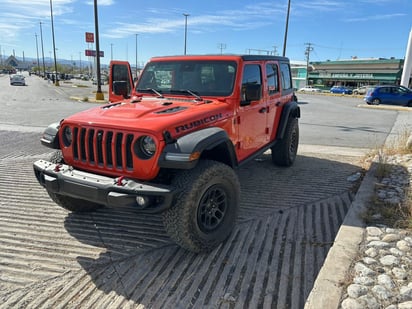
point(104, 148)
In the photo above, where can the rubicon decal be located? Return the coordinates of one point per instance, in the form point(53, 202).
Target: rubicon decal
point(199, 122)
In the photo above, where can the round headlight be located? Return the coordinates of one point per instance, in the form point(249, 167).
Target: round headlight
point(67, 136)
point(145, 147)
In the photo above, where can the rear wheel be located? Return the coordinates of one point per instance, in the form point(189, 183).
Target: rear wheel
point(205, 208)
point(284, 152)
point(67, 202)
point(376, 102)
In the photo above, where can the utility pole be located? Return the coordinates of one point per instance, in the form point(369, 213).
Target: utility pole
point(308, 49)
point(37, 49)
point(56, 83)
point(99, 93)
point(221, 46)
point(286, 30)
point(42, 51)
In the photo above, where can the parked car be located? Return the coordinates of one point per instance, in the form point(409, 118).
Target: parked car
point(17, 79)
point(310, 89)
point(340, 89)
point(389, 94)
point(361, 90)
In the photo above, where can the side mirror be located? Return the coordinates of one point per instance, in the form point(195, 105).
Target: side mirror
point(250, 92)
point(120, 88)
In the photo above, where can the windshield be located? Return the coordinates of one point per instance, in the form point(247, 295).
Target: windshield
point(203, 78)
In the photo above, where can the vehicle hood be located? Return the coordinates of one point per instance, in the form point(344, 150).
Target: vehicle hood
point(151, 115)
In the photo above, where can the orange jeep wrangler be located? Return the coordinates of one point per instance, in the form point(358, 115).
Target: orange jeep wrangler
point(171, 142)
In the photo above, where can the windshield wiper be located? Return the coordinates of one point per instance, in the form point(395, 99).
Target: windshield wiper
point(198, 98)
point(159, 95)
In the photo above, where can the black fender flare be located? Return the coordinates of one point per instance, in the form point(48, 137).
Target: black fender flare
point(291, 109)
point(185, 151)
point(50, 137)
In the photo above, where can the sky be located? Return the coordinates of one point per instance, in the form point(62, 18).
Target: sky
point(332, 29)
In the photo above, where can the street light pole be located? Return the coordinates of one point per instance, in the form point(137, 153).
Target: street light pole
point(286, 30)
point(99, 93)
point(37, 50)
point(185, 15)
point(42, 51)
point(136, 54)
point(54, 44)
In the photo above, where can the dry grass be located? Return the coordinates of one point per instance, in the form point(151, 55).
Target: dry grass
point(397, 215)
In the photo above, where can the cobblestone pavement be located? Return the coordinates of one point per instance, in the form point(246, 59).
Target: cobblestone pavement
point(382, 274)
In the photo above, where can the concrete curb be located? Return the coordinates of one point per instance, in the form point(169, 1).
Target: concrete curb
point(88, 100)
point(328, 287)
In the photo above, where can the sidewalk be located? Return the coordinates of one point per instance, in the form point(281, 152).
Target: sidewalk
point(80, 90)
point(339, 277)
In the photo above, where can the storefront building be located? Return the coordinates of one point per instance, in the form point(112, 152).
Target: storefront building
point(355, 72)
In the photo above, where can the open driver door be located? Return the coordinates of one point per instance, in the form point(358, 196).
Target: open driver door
point(120, 81)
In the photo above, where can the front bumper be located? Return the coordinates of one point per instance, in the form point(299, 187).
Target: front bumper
point(64, 180)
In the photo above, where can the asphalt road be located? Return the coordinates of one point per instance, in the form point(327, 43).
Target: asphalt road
point(118, 258)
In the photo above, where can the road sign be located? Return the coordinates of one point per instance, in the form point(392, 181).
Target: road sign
point(93, 53)
point(89, 37)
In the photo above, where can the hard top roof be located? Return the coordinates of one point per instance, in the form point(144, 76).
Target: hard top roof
point(227, 56)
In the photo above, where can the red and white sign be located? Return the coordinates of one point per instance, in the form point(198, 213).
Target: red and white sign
point(89, 37)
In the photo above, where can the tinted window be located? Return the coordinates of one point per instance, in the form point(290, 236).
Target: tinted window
point(286, 78)
point(252, 77)
point(385, 90)
point(272, 78)
point(201, 77)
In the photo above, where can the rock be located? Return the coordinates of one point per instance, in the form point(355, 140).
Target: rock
point(373, 231)
point(403, 245)
point(378, 244)
point(389, 260)
point(391, 237)
point(356, 290)
point(381, 293)
point(386, 281)
point(350, 303)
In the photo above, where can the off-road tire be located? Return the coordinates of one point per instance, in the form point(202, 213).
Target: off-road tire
point(285, 150)
point(206, 207)
point(70, 203)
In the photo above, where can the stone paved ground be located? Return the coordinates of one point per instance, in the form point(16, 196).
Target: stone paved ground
point(382, 273)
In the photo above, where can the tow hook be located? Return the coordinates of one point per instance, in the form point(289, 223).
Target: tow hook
point(120, 181)
point(57, 167)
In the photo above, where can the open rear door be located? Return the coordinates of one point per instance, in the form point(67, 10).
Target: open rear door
point(120, 81)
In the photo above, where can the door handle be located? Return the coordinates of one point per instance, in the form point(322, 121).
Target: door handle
point(262, 110)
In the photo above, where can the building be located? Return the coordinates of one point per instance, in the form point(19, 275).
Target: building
point(355, 72)
point(13, 62)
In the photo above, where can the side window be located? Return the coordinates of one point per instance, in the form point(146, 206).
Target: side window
point(286, 77)
point(385, 90)
point(272, 78)
point(252, 81)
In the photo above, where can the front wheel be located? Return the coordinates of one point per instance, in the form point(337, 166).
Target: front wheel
point(70, 203)
point(205, 208)
point(284, 151)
